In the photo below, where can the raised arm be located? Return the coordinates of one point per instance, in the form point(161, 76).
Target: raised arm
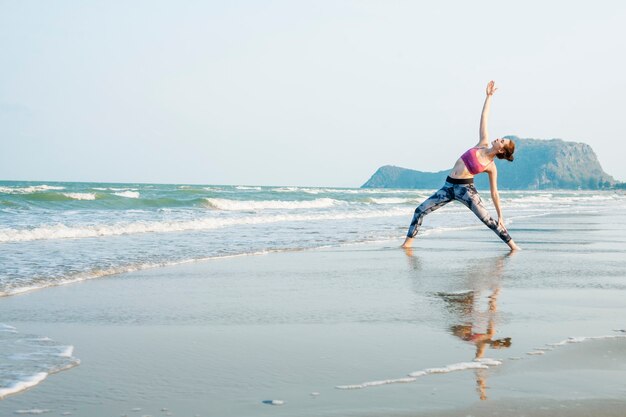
point(484, 134)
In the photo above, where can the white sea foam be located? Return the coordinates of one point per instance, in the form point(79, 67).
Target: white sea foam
point(556, 199)
point(32, 411)
point(377, 383)
point(128, 194)
point(246, 205)
point(306, 190)
point(7, 328)
point(22, 384)
point(393, 200)
point(246, 187)
point(27, 360)
point(374, 191)
point(114, 189)
point(352, 191)
point(81, 196)
point(42, 339)
point(286, 189)
point(489, 361)
point(29, 190)
point(581, 339)
point(66, 351)
point(62, 231)
point(483, 363)
point(461, 366)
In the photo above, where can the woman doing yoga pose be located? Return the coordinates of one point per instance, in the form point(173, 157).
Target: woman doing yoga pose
point(460, 182)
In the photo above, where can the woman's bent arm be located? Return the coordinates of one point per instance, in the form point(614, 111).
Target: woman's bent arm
point(495, 196)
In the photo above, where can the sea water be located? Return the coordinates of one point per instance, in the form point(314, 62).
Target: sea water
point(56, 233)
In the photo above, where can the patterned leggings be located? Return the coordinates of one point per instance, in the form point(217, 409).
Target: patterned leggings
point(466, 194)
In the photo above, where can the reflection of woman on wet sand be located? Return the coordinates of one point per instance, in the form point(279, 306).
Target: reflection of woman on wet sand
point(481, 340)
point(463, 306)
point(467, 333)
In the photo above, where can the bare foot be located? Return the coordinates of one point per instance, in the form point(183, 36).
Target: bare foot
point(513, 246)
point(408, 242)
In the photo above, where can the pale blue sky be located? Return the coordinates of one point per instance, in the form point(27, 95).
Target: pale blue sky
point(297, 92)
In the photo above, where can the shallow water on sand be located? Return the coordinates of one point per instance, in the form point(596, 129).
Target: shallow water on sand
point(226, 337)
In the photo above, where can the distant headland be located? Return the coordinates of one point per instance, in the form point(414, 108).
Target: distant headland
point(539, 164)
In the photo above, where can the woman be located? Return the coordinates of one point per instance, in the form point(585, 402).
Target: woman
point(460, 183)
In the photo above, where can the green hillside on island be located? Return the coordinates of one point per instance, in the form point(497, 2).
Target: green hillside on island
point(539, 164)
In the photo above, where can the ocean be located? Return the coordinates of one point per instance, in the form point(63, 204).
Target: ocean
point(54, 233)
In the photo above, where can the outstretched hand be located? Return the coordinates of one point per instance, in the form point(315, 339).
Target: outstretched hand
point(491, 88)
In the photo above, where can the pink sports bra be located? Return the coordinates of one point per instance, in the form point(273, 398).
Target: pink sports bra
point(471, 161)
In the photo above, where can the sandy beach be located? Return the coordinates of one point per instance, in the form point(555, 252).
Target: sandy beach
point(458, 326)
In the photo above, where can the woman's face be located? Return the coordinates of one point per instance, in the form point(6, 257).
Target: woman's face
point(499, 144)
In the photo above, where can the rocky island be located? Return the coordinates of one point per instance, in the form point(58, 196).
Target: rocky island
point(539, 164)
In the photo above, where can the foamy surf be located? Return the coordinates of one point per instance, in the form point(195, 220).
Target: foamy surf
point(581, 339)
point(484, 363)
point(27, 360)
point(127, 194)
point(247, 205)
point(62, 231)
point(480, 363)
point(80, 196)
point(29, 190)
point(395, 200)
point(248, 188)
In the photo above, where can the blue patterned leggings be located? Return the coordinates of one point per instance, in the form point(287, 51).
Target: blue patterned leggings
point(466, 194)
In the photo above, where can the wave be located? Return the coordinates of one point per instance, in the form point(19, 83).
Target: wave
point(556, 198)
point(353, 191)
point(286, 189)
point(22, 384)
point(394, 200)
point(33, 411)
point(114, 189)
point(30, 189)
point(245, 187)
point(27, 360)
point(7, 328)
point(128, 194)
point(80, 196)
point(305, 190)
point(62, 231)
point(246, 205)
point(480, 363)
point(483, 363)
